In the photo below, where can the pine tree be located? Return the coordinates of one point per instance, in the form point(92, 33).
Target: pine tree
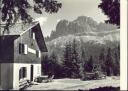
point(116, 64)
point(44, 64)
point(75, 60)
point(82, 70)
point(102, 60)
point(67, 60)
point(90, 64)
point(56, 67)
point(82, 62)
point(109, 62)
point(53, 56)
point(53, 64)
point(116, 61)
point(71, 60)
point(49, 64)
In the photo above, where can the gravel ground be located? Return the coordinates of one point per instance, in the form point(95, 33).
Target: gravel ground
point(75, 84)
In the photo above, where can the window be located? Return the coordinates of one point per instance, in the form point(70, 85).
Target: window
point(23, 48)
point(38, 54)
point(32, 34)
point(22, 73)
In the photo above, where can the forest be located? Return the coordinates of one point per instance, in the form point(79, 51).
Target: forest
point(74, 62)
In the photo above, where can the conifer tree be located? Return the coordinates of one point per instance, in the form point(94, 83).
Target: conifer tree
point(102, 60)
point(75, 60)
point(67, 60)
point(82, 62)
point(90, 64)
point(109, 62)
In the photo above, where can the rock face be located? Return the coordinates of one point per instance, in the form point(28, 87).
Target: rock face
point(97, 38)
point(87, 32)
point(81, 25)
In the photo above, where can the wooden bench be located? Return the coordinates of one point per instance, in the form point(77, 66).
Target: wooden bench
point(23, 84)
point(44, 79)
point(50, 79)
point(40, 78)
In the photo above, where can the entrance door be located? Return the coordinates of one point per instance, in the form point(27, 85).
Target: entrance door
point(31, 73)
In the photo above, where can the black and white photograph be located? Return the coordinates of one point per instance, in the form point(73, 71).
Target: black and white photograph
point(60, 45)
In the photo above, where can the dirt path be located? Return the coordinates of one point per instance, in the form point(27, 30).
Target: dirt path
point(75, 84)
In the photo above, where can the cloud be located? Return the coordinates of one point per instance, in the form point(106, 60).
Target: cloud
point(42, 20)
point(58, 20)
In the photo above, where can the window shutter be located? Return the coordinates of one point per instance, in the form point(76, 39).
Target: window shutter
point(25, 49)
point(38, 54)
point(33, 35)
point(20, 48)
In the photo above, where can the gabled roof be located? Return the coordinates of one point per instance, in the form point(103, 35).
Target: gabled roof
point(40, 38)
point(19, 29)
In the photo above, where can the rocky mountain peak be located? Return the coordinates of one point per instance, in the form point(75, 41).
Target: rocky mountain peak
point(81, 25)
point(84, 20)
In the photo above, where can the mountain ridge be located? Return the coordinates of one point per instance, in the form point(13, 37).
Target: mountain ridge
point(92, 39)
point(102, 39)
point(81, 25)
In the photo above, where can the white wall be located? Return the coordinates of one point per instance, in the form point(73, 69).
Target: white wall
point(17, 66)
point(37, 70)
point(10, 74)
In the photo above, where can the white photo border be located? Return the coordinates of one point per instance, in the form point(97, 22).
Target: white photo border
point(123, 45)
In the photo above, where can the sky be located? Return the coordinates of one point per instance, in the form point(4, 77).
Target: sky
point(70, 10)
